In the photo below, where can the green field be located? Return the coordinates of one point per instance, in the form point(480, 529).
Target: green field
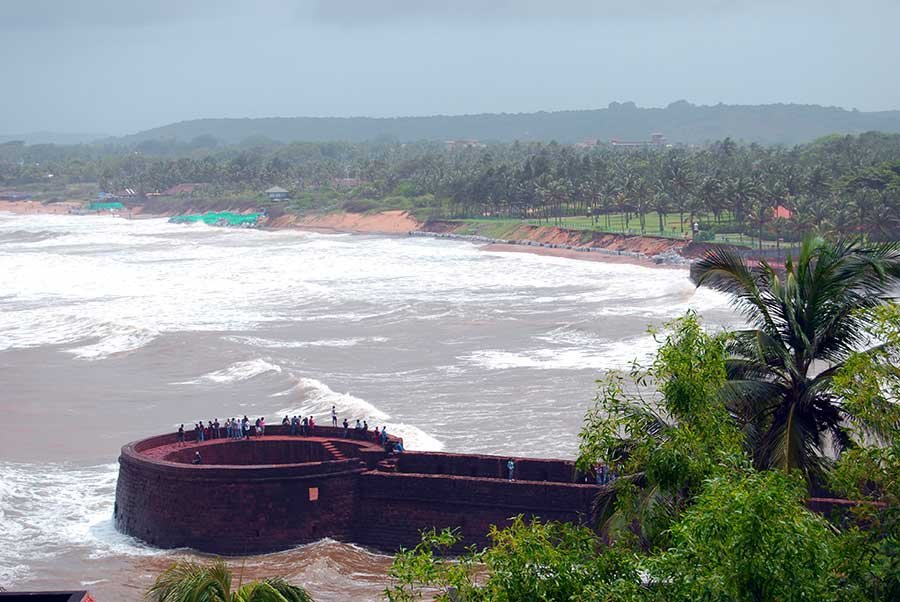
point(504, 227)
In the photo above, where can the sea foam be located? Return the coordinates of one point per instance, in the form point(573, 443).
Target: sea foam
point(317, 398)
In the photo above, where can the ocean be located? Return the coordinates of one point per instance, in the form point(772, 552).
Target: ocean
point(113, 329)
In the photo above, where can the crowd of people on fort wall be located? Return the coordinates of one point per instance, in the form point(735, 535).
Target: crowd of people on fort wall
point(303, 426)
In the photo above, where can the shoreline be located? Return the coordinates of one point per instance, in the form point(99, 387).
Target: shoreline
point(550, 242)
point(499, 247)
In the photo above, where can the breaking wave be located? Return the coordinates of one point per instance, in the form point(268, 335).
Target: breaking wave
point(316, 399)
point(274, 344)
point(609, 355)
point(45, 508)
point(236, 372)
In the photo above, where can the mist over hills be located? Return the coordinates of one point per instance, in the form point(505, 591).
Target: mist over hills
point(679, 122)
point(60, 138)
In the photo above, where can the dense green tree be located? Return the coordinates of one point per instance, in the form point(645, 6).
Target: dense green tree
point(805, 322)
point(842, 184)
point(697, 520)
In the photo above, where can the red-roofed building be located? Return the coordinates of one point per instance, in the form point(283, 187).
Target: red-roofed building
point(783, 212)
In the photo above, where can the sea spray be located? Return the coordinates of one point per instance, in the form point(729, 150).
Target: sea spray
point(317, 399)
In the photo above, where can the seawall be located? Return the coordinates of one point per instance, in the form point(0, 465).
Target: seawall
point(278, 491)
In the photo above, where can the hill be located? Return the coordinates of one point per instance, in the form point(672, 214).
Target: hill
point(680, 122)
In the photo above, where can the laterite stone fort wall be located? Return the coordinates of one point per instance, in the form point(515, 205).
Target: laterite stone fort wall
point(279, 491)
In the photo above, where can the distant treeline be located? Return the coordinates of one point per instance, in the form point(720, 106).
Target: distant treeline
point(680, 122)
point(844, 184)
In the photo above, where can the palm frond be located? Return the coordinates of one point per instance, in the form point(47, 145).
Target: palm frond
point(271, 590)
point(192, 582)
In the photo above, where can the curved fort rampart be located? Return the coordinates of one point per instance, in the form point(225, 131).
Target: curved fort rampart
point(275, 492)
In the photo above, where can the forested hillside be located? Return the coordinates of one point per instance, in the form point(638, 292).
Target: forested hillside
point(680, 122)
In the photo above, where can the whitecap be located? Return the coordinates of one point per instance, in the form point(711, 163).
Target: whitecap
point(610, 355)
point(48, 509)
point(275, 344)
point(236, 372)
point(317, 398)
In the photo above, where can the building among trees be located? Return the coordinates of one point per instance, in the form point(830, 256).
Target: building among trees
point(277, 193)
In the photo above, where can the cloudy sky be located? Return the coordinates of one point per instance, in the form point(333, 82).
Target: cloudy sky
point(119, 66)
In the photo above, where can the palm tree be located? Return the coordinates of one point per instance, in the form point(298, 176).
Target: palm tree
point(805, 323)
point(193, 582)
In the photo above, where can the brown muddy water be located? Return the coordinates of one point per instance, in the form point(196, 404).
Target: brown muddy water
point(112, 330)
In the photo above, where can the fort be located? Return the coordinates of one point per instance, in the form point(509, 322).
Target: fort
point(274, 492)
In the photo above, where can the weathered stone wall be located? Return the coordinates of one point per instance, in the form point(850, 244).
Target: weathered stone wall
point(235, 509)
point(394, 508)
point(274, 493)
point(472, 465)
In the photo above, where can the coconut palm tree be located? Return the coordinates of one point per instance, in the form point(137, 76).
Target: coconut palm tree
point(193, 582)
point(804, 323)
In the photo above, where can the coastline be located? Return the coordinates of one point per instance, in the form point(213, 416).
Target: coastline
point(548, 241)
point(499, 247)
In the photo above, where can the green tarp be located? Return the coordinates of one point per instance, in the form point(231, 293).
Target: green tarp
point(105, 205)
point(223, 218)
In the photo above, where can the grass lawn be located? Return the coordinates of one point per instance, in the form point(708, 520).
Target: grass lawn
point(493, 227)
point(612, 223)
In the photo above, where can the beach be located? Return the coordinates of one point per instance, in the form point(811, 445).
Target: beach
point(538, 240)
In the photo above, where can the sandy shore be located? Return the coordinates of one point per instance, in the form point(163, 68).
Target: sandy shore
point(25, 207)
point(579, 255)
point(387, 222)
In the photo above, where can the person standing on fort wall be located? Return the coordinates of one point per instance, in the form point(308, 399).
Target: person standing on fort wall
point(333, 416)
point(511, 469)
point(181, 434)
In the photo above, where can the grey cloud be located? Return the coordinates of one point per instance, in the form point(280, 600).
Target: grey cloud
point(36, 14)
point(352, 12)
point(22, 14)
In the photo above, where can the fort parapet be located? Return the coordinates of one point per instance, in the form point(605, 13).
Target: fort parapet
point(274, 492)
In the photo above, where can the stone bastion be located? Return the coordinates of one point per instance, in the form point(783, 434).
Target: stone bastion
point(278, 491)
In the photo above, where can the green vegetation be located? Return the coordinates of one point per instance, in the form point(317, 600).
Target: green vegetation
point(748, 194)
point(813, 313)
point(192, 582)
point(696, 515)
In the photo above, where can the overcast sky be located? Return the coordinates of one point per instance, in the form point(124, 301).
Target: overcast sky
point(119, 66)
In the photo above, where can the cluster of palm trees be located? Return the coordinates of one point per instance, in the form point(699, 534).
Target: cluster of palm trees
point(842, 184)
